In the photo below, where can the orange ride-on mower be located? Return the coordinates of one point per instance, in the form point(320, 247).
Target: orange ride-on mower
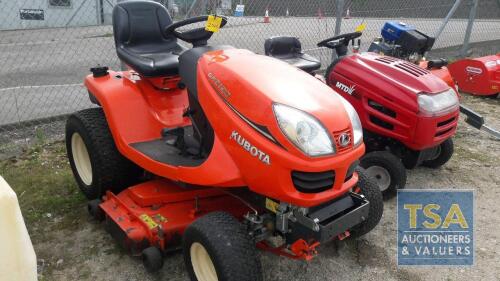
point(408, 116)
point(201, 149)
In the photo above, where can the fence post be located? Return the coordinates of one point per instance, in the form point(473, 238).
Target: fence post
point(468, 31)
point(190, 9)
point(339, 10)
point(447, 19)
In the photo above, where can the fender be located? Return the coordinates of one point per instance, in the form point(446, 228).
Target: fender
point(136, 112)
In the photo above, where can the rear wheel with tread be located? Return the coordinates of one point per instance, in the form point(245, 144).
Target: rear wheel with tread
point(217, 248)
point(95, 161)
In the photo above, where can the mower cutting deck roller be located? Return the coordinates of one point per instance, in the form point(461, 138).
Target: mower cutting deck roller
point(176, 156)
point(477, 76)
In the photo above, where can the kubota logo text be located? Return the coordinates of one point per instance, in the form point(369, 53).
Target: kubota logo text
point(254, 151)
point(345, 88)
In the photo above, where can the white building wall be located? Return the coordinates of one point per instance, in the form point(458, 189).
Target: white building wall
point(80, 13)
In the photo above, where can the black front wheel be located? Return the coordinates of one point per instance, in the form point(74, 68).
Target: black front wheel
point(386, 170)
point(372, 193)
point(443, 155)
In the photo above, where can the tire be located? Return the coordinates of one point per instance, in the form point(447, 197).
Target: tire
point(95, 210)
point(386, 170)
point(444, 154)
point(217, 247)
point(152, 259)
point(372, 192)
point(95, 161)
point(494, 96)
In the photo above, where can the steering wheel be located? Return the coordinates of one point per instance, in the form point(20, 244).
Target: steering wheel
point(197, 36)
point(339, 40)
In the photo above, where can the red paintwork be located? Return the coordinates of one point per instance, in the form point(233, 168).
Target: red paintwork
point(394, 84)
point(299, 250)
point(479, 76)
point(137, 111)
point(169, 206)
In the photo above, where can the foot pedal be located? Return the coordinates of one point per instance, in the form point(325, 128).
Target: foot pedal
point(173, 136)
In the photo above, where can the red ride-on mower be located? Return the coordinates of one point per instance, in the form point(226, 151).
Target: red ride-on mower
point(480, 76)
point(408, 116)
point(176, 154)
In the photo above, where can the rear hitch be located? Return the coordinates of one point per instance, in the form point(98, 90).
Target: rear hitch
point(299, 250)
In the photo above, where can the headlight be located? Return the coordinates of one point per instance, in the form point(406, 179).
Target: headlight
point(303, 130)
point(357, 130)
point(432, 105)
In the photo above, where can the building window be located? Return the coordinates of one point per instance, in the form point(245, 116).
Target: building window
point(60, 3)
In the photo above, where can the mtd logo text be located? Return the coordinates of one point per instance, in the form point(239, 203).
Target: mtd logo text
point(435, 227)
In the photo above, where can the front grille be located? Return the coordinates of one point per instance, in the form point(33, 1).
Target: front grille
point(382, 109)
point(336, 137)
point(446, 122)
point(381, 123)
point(313, 182)
point(438, 134)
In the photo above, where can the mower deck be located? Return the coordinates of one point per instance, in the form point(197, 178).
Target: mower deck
point(157, 212)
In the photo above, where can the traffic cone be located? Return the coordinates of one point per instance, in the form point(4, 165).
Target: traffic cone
point(266, 16)
point(347, 14)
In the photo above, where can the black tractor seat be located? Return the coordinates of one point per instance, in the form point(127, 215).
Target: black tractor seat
point(140, 40)
point(289, 49)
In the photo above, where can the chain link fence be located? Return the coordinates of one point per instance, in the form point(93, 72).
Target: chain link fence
point(48, 46)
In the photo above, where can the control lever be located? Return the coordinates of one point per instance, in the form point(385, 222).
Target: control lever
point(355, 47)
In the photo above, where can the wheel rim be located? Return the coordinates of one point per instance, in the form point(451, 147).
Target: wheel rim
point(81, 158)
point(436, 153)
point(203, 266)
point(380, 175)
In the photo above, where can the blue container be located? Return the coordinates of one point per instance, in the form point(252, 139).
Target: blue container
point(392, 30)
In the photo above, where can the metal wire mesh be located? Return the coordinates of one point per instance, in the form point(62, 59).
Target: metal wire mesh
point(48, 46)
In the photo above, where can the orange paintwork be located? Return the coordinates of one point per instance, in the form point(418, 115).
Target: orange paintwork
point(137, 111)
point(441, 72)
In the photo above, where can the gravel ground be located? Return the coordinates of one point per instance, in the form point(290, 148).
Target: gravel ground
point(70, 246)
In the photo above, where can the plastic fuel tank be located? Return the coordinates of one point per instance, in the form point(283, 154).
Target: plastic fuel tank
point(17, 256)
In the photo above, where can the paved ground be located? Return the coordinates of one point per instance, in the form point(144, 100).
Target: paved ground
point(42, 69)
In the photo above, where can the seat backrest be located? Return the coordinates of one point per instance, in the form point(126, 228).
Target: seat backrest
point(140, 23)
point(280, 46)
